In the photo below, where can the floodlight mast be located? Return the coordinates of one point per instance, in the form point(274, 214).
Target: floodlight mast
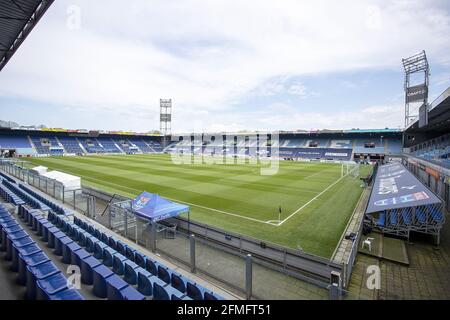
point(415, 92)
point(165, 118)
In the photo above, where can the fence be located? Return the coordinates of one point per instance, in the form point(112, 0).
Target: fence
point(76, 199)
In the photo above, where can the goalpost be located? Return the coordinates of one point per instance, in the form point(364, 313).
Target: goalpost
point(350, 168)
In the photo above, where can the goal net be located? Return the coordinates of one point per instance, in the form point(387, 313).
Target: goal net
point(351, 169)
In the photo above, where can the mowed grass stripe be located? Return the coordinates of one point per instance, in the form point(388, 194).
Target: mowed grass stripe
point(222, 197)
point(317, 229)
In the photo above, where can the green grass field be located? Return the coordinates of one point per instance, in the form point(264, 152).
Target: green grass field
point(316, 202)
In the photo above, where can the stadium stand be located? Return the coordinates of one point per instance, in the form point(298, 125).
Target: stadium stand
point(71, 145)
point(42, 278)
point(13, 142)
point(115, 270)
point(108, 145)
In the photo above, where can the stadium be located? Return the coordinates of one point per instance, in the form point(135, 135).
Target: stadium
point(94, 214)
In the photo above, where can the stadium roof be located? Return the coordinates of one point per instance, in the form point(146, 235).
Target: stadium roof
point(438, 115)
point(17, 19)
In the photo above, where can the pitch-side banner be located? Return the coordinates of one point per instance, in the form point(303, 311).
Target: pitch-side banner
point(395, 187)
point(416, 93)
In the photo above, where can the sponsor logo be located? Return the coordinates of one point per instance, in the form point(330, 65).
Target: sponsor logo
point(141, 202)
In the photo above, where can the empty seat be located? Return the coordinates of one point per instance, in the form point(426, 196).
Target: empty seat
point(436, 215)
point(112, 242)
point(130, 272)
point(120, 247)
point(50, 286)
point(77, 256)
point(87, 265)
point(113, 286)
point(140, 259)
point(38, 272)
point(90, 243)
point(108, 256)
point(194, 291)
point(393, 218)
point(178, 282)
point(60, 242)
point(130, 293)
point(67, 251)
point(104, 238)
point(98, 249)
point(151, 267)
point(31, 260)
point(406, 217)
point(421, 215)
point(100, 275)
point(52, 236)
point(164, 274)
point(118, 263)
point(68, 294)
point(130, 253)
point(382, 219)
point(145, 282)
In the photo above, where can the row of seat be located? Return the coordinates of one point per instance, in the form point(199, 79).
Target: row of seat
point(43, 280)
point(4, 176)
point(9, 196)
point(29, 199)
point(407, 216)
point(115, 254)
point(137, 268)
point(56, 208)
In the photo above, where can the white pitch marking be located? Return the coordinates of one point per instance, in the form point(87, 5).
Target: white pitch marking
point(306, 204)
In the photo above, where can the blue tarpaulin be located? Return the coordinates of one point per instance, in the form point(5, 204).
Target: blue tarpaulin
point(395, 187)
point(155, 208)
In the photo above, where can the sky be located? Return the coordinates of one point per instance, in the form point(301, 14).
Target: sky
point(227, 65)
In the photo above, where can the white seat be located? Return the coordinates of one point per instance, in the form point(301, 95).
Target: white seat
point(368, 242)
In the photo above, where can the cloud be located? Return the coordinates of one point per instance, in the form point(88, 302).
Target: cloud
point(210, 55)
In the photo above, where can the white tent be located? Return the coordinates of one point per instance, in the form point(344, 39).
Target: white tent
point(69, 181)
point(39, 169)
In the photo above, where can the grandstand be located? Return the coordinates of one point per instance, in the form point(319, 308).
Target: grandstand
point(137, 225)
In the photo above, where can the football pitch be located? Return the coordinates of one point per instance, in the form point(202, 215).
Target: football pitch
point(316, 200)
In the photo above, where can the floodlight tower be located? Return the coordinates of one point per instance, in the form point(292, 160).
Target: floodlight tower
point(416, 90)
point(165, 118)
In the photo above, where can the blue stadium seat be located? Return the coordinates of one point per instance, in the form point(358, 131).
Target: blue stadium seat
point(90, 243)
point(100, 275)
point(393, 218)
point(105, 238)
point(178, 282)
point(130, 293)
point(50, 286)
point(118, 264)
point(421, 215)
point(68, 294)
point(130, 253)
point(108, 256)
point(87, 265)
point(60, 242)
point(112, 242)
point(38, 272)
point(67, 251)
point(436, 215)
point(145, 282)
point(140, 259)
point(98, 249)
point(382, 219)
point(120, 247)
point(164, 274)
point(130, 272)
point(31, 260)
point(113, 286)
point(194, 291)
point(77, 256)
